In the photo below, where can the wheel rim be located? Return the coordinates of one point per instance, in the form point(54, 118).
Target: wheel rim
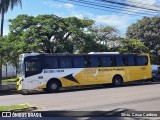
point(117, 81)
point(53, 86)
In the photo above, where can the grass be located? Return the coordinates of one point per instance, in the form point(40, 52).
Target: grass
point(10, 80)
point(13, 107)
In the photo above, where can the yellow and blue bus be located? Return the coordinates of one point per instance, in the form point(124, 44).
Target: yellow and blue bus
point(53, 71)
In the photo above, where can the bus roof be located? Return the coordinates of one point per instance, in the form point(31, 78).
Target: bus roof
point(103, 53)
point(64, 54)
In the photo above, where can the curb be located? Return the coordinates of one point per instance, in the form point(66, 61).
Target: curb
point(8, 87)
point(24, 109)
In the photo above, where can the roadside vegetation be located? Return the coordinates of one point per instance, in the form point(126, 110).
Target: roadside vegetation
point(54, 34)
point(9, 80)
point(14, 107)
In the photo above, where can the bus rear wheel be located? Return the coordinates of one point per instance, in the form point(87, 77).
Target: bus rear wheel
point(53, 86)
point(117, 81)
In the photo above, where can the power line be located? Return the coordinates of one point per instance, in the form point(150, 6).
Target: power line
point(140, 3)
point(128, 5)
point(123, 7)
point(109, 7)
point(87, 6)
point(100, 6)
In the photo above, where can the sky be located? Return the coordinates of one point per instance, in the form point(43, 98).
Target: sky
point(121, 20)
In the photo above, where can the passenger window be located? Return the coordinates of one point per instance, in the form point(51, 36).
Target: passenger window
point(119, 61)
point(87, 62)
point(78, 62)
point(94, 61)
point(130, 60)
point(65, 62)
point(141, 60)
point(51, 63)
point(105, 61)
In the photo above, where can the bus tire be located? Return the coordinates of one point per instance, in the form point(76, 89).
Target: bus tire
point(117, 80)
point(45, 89)
point(53, 86)
point(154, 79)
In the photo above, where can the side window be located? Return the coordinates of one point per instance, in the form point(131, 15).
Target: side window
point(141, 60)
point(130, 61)
point(65, 62)
point(87, 62)
point(94, 61)
point(78, 62)
point(105, 61)
point(51, 63)
point(32, 66)
point(119, 61)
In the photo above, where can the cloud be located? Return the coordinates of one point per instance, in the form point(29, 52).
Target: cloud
point(69, 6)
point(120, 21)
point(59, 5)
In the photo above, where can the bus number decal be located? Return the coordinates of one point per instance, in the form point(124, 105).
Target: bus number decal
point(53, 71)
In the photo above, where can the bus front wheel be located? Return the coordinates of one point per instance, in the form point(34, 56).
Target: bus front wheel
point(53, 86)
point(117, 81)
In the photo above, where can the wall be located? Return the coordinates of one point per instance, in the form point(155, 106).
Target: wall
point(11, 71)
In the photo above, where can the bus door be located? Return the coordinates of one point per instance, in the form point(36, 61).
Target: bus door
point(33, 67)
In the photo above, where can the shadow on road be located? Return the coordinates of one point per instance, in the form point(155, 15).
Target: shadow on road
point(115, 114)
point(8, 92)
point(80, 88)
point(94, 87)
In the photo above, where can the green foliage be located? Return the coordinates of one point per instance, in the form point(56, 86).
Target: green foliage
point(6, 4)
point(155, 59)
point(147, 31)
point(44, 33)
point(131, 46)
point(53, 34)
point(104, 34)
point(96, 39)
point(14, 107)
point(47, 33)
point(9, 80)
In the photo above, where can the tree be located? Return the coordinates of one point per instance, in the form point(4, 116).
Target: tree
point(4, 6)
point(97, 39)
point(86, 44)
point(131, 46)
point(104, 34)
point(147, 31)
point(46, 34)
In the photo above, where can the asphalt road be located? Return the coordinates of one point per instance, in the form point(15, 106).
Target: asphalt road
point(144, 97)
